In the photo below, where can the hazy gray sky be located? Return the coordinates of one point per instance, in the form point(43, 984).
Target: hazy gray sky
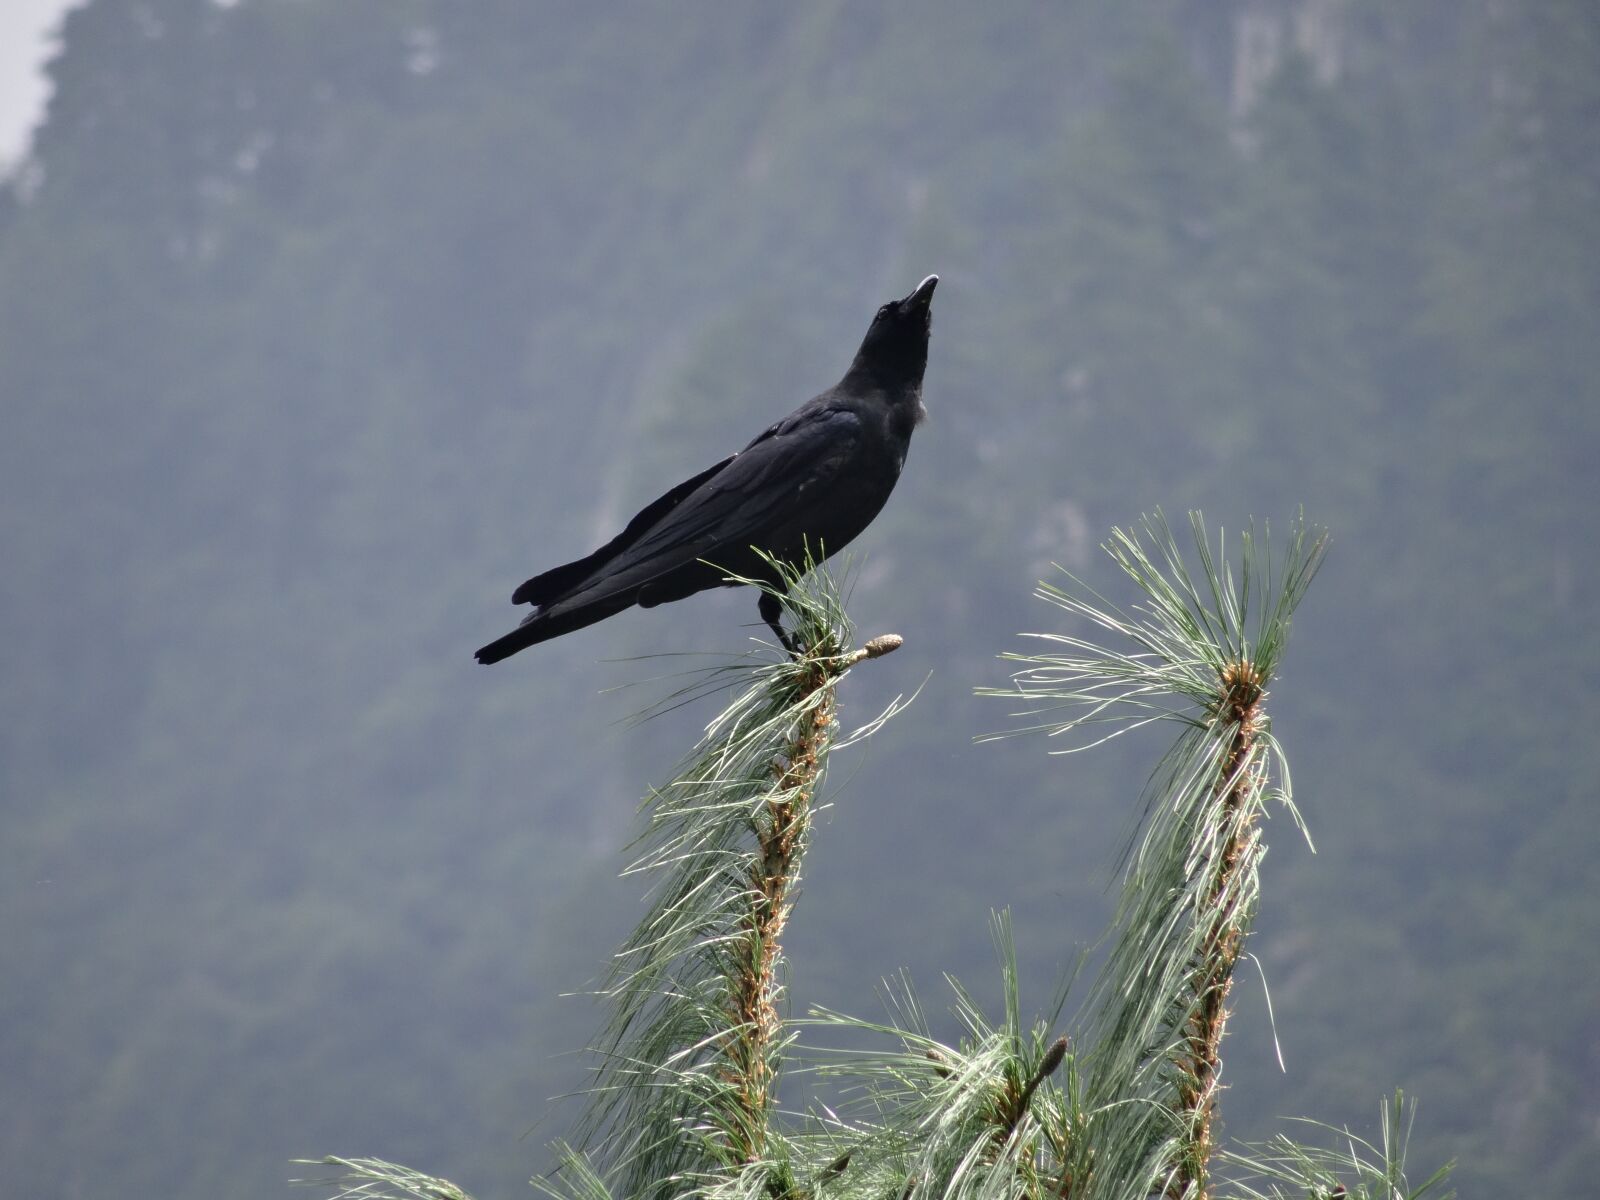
point(26, 37)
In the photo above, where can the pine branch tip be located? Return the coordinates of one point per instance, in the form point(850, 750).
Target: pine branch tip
point(836, 1167)
point(884, 643)
point(1054, 1057)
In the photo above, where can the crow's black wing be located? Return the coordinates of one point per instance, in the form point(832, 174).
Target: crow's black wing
point(552, 584)
point(767, 488)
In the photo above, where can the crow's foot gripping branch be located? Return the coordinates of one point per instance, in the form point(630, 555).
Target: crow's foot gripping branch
point(771, 612)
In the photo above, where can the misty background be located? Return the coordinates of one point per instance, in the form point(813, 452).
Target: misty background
point(324, 324)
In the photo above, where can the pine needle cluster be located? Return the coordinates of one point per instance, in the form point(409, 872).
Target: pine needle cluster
point(1198, 649)
point(686, 1095)
point(986, 1118)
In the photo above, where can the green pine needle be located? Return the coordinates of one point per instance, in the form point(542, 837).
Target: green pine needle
point(1353, 1168)
point(375, 1179)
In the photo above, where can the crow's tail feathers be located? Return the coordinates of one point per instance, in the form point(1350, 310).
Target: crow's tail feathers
point(542, 626)
point(519, 638)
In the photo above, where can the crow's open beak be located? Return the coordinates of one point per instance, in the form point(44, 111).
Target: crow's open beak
point(923, 296)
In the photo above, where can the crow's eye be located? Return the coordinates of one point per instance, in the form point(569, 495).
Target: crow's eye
point(884, 311)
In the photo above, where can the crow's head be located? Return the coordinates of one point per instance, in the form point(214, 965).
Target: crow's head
point(895, 351)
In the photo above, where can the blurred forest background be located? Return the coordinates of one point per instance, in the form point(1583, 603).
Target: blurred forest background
point(322, 324)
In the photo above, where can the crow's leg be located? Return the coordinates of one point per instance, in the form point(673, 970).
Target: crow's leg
point(771, 610)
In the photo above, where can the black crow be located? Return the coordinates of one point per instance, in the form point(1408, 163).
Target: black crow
point(815, 479)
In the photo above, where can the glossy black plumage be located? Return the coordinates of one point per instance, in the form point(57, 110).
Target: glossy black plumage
point(818, 477)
